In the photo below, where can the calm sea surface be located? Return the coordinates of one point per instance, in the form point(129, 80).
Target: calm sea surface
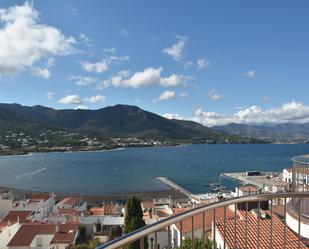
point(136, 169)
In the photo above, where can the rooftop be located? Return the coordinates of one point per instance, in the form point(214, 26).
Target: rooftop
point(265, 224)
point(14, 216)
point(27, 232)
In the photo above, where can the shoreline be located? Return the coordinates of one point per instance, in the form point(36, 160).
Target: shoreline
point(30, 152)
point(98, 199)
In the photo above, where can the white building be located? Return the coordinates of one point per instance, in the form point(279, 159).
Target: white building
point(287, 175)
point(44, 236)
point(70, 203)
point(41, 203)
point(7, 232)
point(6, 202)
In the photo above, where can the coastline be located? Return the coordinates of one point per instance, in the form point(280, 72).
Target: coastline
point(71, 150)
point(98, 199)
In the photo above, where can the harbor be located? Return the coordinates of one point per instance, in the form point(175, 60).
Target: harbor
point(258, 178)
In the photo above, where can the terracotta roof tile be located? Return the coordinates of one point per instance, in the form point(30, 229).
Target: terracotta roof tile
point(265, 225)
point(27, 233)
point(41, 196)
point(198, 220)
point(13, 216)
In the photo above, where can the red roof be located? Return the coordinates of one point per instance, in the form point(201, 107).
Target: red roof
point(67, 211)
point(41, 196)
point(198, 220)
point(13, 216)
point(96, 211)
point(66, 234)
point(265, 224)
point(27, 232)
point(72, 201)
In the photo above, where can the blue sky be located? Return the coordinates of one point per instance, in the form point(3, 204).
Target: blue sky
point(215, 62)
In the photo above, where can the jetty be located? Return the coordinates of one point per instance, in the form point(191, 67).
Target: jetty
point(260, 179)
point(168, 182)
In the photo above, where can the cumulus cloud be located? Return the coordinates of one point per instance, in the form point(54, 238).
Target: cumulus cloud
point(149, 77)
point(124, 32)
point(50, 95)
point(82, 80)
point(103, 65)
point(176, 50)
point(250, 74)
point(214, 95)
point(41, 72)
point(173, 116)
point(289, 112)
point(70, 99)
point(183, 95)
point(167, 95)
point(95, 99)
point(24, 41)
point(98, 67)
point(202, 63)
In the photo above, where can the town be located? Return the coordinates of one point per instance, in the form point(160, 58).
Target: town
point(48, 221)
point(55, 140)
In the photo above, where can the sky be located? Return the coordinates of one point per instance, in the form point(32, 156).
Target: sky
point(214, 62)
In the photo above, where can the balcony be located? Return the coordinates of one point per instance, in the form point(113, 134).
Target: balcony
point(242, 222)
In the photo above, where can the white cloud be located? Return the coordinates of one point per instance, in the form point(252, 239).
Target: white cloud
point(149, 77)
point(202, 63)
point(176, 50)
point(188, 64)
point(167, 95)
point(84, 38)
point(250, 74)
point(70, 99)
point(289, 112)
point(41, 72)
point(124, 32)
point(103, 65)
point(95, 99)
point(24, 41)
point(214, 95)
point(173, 116)
point(81, 107)
point(183, 95)
point(265, 98)
point(82, 80)
point(50, 95)
point(98, 67)
point(109, 50)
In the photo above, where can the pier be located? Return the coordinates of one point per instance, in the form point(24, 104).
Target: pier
point(173, 185)
point(264, 179)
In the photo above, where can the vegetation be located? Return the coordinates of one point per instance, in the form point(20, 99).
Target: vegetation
point(82, 235)
point(43, 128)
point(134, 220)
point(198, 244)
point(90, 245)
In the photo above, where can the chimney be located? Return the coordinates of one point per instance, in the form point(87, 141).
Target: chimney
point(57, 228)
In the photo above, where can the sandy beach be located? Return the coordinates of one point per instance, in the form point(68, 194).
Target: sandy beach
point(93, 199)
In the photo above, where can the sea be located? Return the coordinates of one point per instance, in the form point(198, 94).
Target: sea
point(135, 169)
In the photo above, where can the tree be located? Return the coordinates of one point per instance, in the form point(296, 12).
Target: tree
point(82, 234)
point(92, 244)
point(198, 244)
point(134, 220)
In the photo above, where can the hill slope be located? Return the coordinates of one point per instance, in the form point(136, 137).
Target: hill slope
point(289, 132)
point(118, 120)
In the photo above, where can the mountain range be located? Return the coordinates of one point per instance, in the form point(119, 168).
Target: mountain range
point(112, 121)
point(280, 133)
